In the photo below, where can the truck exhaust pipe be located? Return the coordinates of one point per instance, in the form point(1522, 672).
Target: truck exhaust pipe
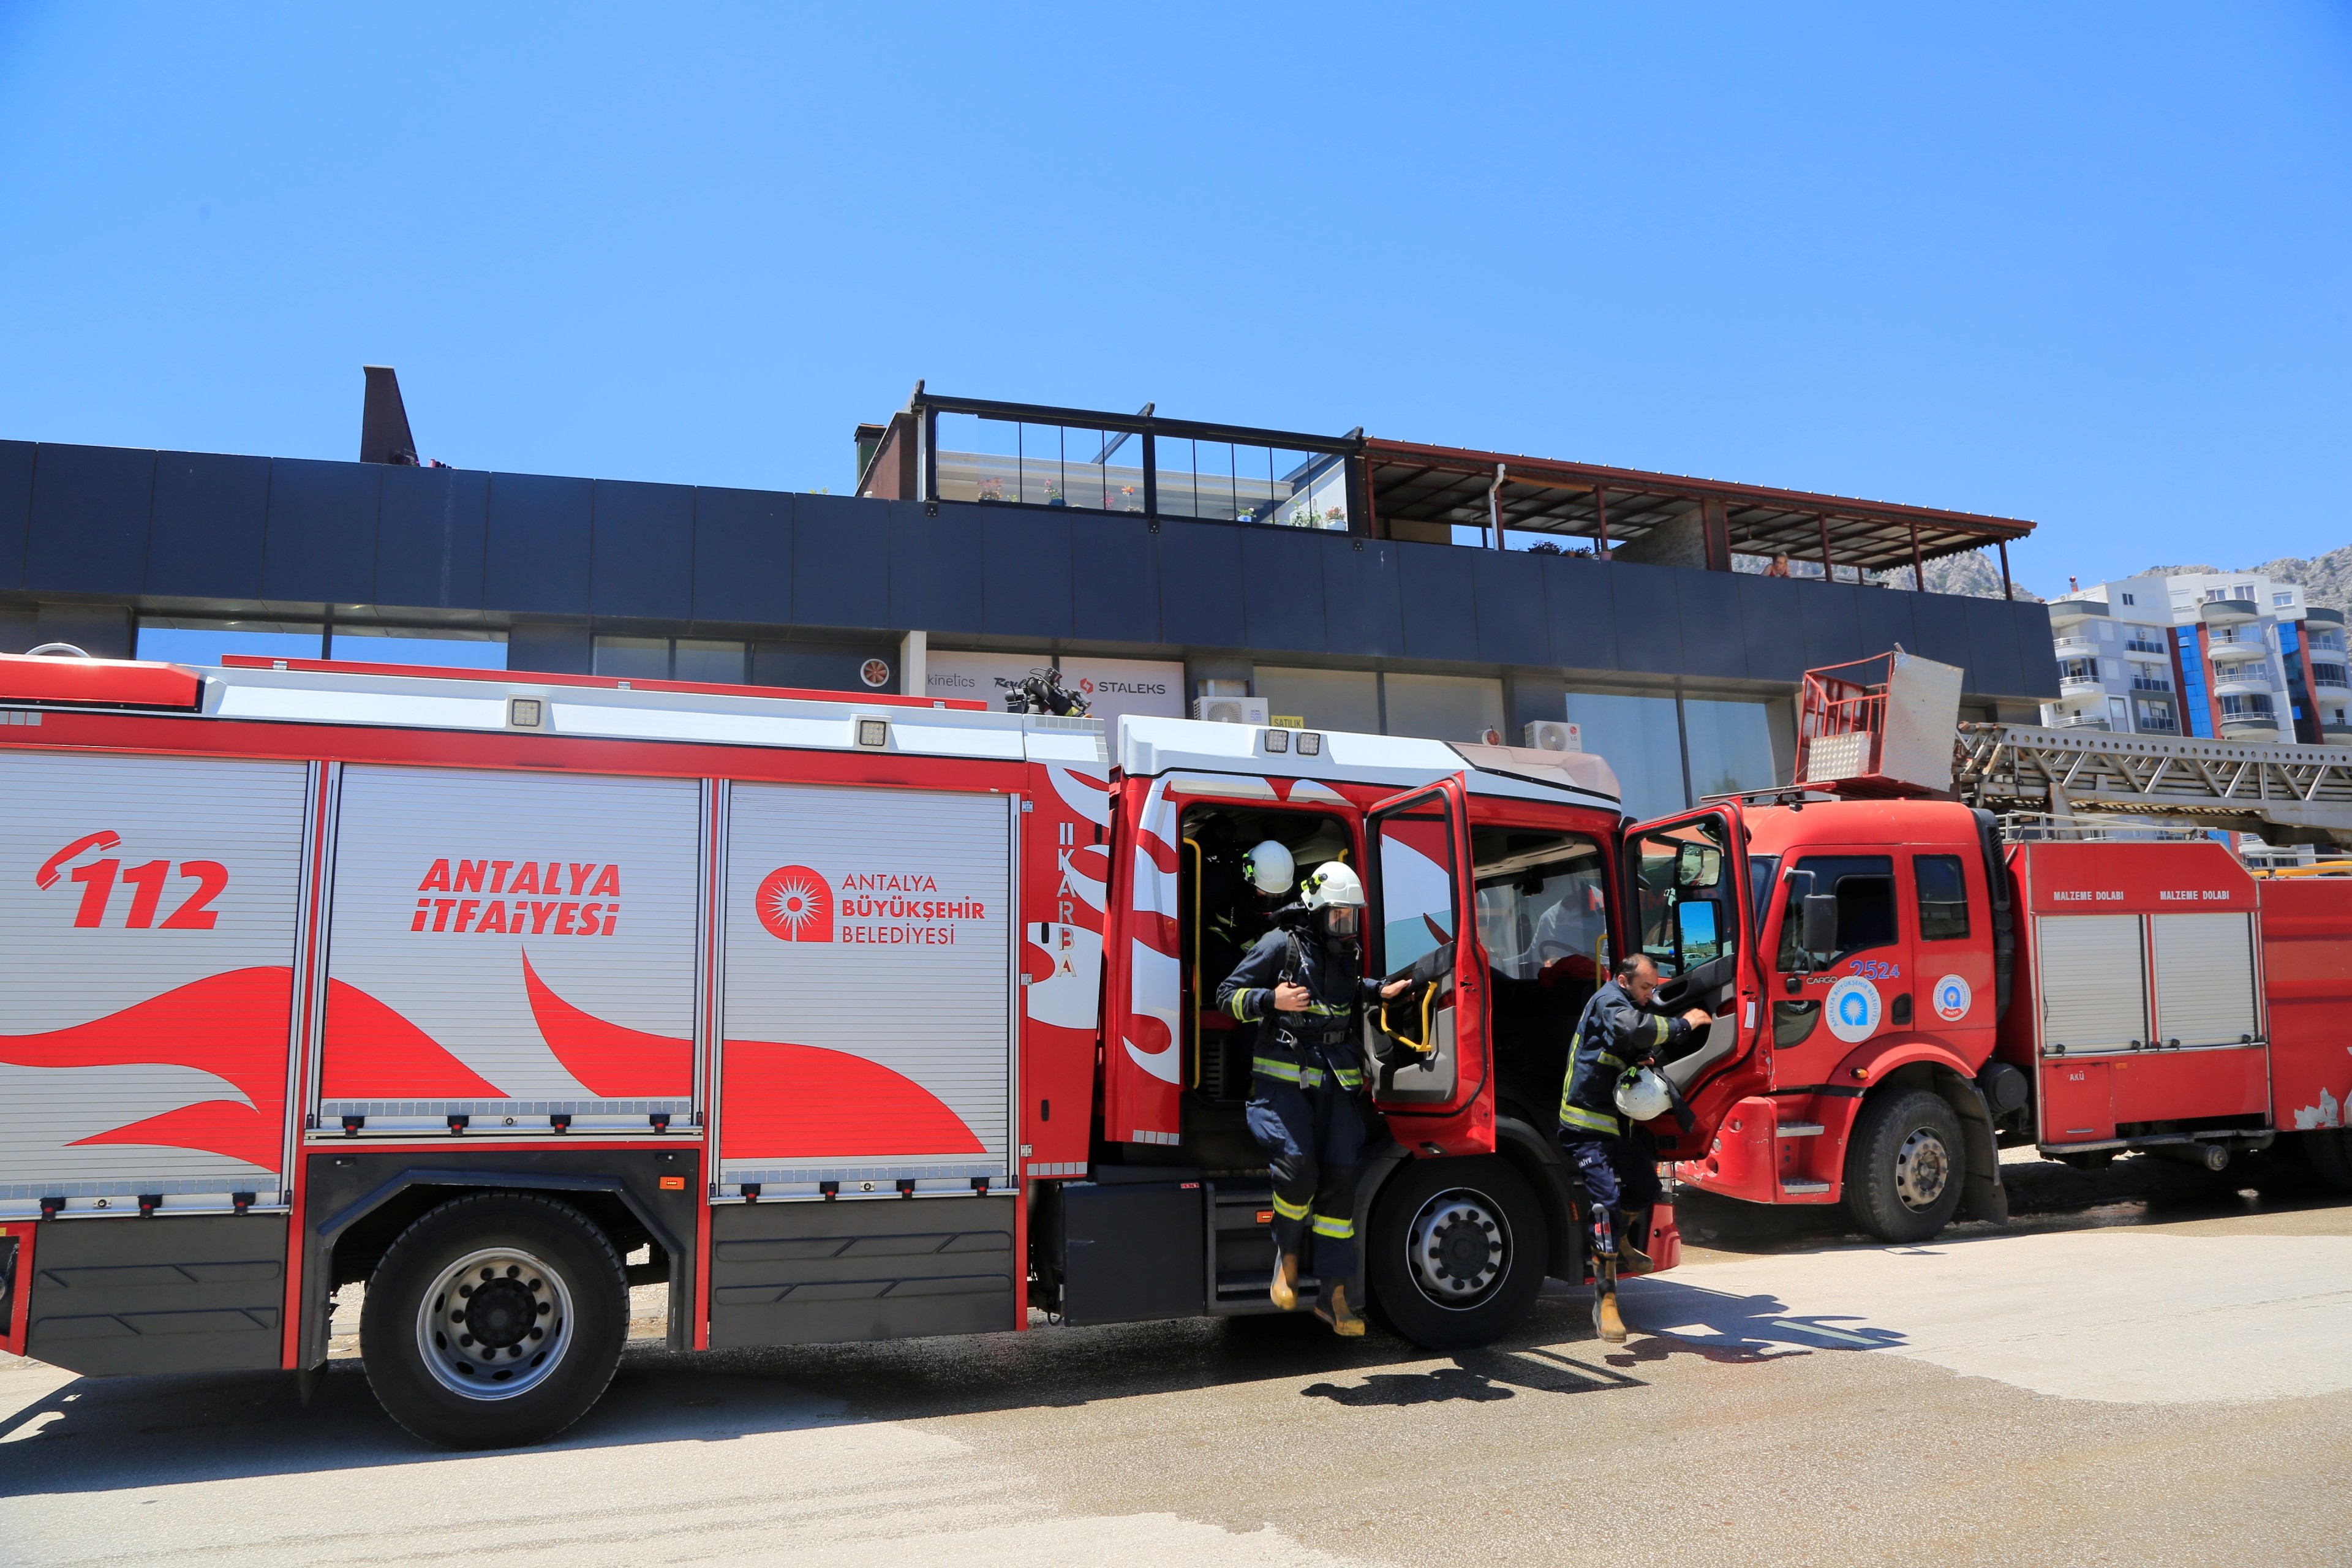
point(2214, 1157)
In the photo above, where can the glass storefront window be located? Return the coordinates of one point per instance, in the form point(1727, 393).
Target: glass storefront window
point(633, 659)
point(440, 646)
point(1639, 738)
point(1737, 745)
point(182, 639)
point(1347, 699)
point(719, 663)
point(1443, 707)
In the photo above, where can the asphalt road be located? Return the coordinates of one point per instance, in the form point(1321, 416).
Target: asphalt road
point(2150, 1365)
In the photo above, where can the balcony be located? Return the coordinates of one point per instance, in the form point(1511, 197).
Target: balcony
point(2082, 722)
point(2077, 647)
point(2330, 675)
point(2228, 612)
point(2240, 678)
point(2076, 686)
point(2150, 683)
point(2250, 727)
point(2141, 645)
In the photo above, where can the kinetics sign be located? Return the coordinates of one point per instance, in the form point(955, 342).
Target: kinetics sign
point(885, 909)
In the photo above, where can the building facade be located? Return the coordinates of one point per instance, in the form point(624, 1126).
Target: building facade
point(2224, 655)
point(1337, 580)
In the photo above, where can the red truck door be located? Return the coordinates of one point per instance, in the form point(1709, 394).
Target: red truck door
point(1686, 904)
point(1429, 1061)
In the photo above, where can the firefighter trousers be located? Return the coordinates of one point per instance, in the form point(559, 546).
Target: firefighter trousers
point(1617, 1174)
point(1312, 1139)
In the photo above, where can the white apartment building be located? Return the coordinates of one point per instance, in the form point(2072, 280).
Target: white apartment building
point(2227, 656)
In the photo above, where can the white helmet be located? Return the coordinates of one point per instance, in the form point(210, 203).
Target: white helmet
point(1269, 869)
point(1332, 884)
point(1642, 1095)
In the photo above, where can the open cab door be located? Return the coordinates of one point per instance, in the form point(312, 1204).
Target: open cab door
point(1427, 1050)
point(1688, 905)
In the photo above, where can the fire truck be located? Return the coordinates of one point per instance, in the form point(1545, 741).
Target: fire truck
point(2091, 972)
point(846, 1018)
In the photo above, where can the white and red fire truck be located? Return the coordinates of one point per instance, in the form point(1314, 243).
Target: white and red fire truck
point(848, 1018)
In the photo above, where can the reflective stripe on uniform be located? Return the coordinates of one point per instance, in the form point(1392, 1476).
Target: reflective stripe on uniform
point(1241, 1007)
point(1289, 1210)
point(1350, 1078)
point(1605, 1060)
point(1268, 1067)
point(1338, 1229)
point(1661, 1026)
point(1591, 1120)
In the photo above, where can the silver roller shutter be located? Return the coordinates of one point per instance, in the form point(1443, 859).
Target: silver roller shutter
point(2094, 989)
point(2204, 978)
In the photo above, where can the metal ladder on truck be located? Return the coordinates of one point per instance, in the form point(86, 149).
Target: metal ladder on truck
point(2281, 795)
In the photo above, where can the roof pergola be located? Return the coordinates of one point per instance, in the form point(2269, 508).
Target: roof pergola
point(1612, 507)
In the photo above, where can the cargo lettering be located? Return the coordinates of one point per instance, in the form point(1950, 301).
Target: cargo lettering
point(535, 916)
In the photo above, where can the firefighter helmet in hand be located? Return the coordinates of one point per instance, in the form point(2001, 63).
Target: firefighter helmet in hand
point(1269, 869)
point(1642, 1095)
point(1332, 885)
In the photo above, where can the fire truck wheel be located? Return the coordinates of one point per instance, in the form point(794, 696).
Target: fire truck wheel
point(1457, 1252)
point(1906, 1166)
point(494, 1320)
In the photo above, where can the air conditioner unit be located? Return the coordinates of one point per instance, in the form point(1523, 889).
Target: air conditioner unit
point(1229, 710)
point(1555, 735)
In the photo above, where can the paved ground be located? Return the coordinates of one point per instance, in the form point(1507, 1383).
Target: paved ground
point(2151, 1365)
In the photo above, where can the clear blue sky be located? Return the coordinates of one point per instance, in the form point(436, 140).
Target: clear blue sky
point(2086, 265)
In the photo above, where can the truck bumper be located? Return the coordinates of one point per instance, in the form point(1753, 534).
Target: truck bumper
point(1772, 1151)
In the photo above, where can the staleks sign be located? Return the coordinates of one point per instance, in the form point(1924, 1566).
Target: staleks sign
point(1112, 686)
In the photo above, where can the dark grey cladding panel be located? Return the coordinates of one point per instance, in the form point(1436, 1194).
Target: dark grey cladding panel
point(1511, 623)
point(2037, 657)
point(1649, 617)
point(1363, 608)
point(1199, 584)
point(537, 558)
point(742, 555)
point(822, 665)
point(1282, 591)
point(644, 552)
point(1772, 613)
point(936, 571)
point(841, 561)
point(1832, 625)
point(1026, 566)
point(1580, 607)
point(1942, 622)
point(88, 526)
point(321, 540)
point(16, 508)
point(211, 516)
point(1439, 591)
point(1887, 616)
point(429, 530)
point(1994, 668)
point(1115, 582)
point(558, 648)
point(1715, 640)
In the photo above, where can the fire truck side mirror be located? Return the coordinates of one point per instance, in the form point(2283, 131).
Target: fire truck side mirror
point(1821, 924)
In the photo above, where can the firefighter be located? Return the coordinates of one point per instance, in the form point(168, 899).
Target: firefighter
point(1617, 1163)
point(1303, 982)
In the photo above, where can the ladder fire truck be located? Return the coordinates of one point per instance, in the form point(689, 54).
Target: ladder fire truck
point(2034, 940)
point(844, 1017)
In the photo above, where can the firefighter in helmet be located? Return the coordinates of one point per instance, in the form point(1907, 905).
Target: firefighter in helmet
point(1302, 984)
point(1610, 1091)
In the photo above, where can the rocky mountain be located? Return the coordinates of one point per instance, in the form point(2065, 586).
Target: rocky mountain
point(2324, 579)
point(1976, 575)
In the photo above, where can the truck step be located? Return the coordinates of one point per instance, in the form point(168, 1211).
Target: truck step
point(1798, 1189)
point(1801, 1130)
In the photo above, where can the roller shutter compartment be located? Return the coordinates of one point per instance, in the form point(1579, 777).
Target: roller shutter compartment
point(2204, 967)
point(2093, 987)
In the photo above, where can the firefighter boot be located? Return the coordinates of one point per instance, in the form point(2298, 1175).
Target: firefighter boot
point(1632, 1233)
point(1605, 1320)
point(1283, 1292)
point(1344, 1321)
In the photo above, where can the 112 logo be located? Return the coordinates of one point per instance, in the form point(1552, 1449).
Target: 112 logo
point(146, 881)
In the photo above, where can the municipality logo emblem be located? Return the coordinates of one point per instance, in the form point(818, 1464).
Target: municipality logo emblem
point(1952, 998)
point(1853, 1008)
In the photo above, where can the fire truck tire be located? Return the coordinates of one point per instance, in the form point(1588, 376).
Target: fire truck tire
point(1906, 1166)
point(1458, 1248)
point(2329, 1153)
point(494, 1320)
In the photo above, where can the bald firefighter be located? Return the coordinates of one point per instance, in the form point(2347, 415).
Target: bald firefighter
point(1616, 1160)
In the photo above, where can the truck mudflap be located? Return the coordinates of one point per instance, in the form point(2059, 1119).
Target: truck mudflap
point(1665, 1239)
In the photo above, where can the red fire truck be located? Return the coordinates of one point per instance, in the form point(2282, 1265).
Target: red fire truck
point(1923, 983)
point(847, 1018)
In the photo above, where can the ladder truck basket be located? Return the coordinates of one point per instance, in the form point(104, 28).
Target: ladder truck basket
point(1879, 726)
